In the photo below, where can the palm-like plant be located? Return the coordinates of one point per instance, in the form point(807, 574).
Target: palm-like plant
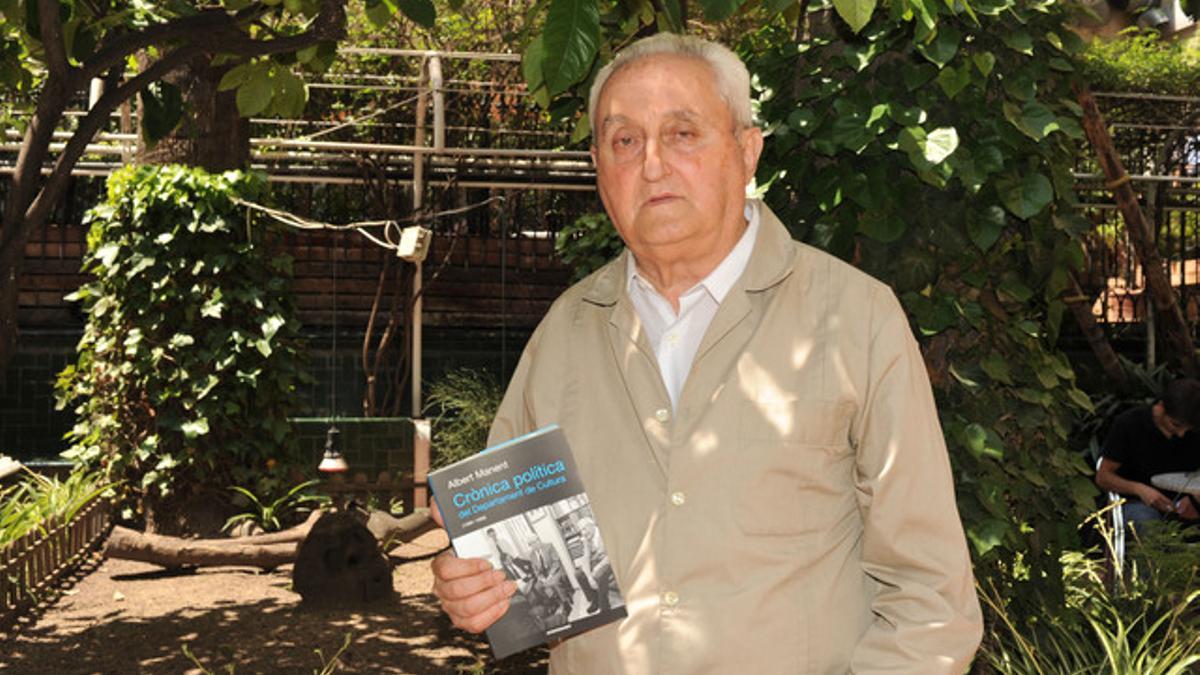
point(271, 515)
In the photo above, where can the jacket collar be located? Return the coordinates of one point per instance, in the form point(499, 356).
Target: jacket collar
point(770, 262)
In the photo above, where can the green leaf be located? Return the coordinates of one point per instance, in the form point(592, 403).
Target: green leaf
point(996, 366)
point(420, 12)
point(531, 63)
point(940, 143)
point(572, 35)
point(944, 46)
point(881, 226)
point(718, 10)
point(194, 428)
point(984, 61)
point(984, 226)
point(953, 80)
point(236, 76)
point(255, 95)
point(290, 95)
point(379, 12)
point(1037, 121)
point(856, 13)
point(272, 326)
point(1026, 195)
point(1080, 399)
point(987, 535)
point(1018, 40)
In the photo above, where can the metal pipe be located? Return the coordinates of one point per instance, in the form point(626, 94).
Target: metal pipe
point(439, 103)
point(418, 189)
point(476, 56)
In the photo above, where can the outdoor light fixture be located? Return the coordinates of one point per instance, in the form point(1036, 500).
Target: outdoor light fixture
point(332, 461)
point(414, 244)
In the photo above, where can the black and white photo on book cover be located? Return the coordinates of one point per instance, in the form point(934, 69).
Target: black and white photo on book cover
point(522, 507)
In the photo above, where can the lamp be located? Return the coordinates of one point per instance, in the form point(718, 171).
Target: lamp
point(332, 461)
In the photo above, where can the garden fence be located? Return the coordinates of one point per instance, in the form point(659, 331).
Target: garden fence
point(31, 565)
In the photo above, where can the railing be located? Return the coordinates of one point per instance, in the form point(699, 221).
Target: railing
point(30, 565)
point(1158, 138)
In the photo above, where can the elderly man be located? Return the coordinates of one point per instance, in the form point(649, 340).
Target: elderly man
point(751, 416)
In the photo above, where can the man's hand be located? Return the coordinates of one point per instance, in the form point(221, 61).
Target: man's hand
point(1153, 497)
point(1186, 509)
point(473, 594)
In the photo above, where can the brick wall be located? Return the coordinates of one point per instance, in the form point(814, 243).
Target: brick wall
point(30, 427)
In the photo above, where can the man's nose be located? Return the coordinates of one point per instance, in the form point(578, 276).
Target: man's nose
point(654, 165)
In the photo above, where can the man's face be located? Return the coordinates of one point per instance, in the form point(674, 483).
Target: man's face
point(1169, 426)
point(671, 168)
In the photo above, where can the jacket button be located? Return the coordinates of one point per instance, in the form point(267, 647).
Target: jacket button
point(662, 415)
point(678, 498)
point(670, 599)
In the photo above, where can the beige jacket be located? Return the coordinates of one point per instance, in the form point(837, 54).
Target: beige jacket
point(796, 515)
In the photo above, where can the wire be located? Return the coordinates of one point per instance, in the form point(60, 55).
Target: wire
point(390, 228)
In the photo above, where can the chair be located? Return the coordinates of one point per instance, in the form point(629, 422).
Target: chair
point(1118, 526)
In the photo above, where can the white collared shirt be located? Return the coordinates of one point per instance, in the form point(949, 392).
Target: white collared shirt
point(676, 337)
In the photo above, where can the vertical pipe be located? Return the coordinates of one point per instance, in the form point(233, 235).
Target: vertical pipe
point(418, 188)
point(439, 102)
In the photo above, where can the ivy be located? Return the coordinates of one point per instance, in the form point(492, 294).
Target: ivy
point(936, 153)
point(189, 360)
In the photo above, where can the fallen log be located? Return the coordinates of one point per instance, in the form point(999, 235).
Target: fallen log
point(166, 551)
point(265, 551)
point(390, 530)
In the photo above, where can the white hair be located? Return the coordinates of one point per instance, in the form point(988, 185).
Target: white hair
point(730, 76)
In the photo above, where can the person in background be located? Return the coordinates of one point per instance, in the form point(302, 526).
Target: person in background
point(1149, 440)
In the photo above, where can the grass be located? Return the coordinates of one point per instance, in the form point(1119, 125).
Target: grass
point(27, 505)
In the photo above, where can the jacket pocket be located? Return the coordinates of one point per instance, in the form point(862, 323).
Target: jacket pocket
point(795, 468)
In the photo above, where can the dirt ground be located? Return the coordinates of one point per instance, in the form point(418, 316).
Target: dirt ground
point(119, 616)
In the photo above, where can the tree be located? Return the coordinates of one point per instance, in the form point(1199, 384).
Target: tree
point(54, 49)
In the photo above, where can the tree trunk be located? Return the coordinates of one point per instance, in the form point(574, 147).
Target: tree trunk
point(1166, 302)
point(211, 135)
point(266, 551)
point(1081, 306)
point(166, 551)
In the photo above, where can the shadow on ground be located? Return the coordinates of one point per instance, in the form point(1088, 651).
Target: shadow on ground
point(123, 617)
point(405, 635)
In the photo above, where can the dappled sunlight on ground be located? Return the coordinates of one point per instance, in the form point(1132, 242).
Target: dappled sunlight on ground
point(127, 617)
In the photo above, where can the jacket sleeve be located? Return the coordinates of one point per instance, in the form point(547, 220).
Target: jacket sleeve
point(926, 616)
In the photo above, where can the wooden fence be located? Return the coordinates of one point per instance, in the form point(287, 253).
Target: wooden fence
point(31, 565)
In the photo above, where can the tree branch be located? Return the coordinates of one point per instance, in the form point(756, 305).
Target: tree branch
point(50, 30)
point(91, 124)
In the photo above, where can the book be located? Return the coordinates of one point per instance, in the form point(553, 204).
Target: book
point(522, 506)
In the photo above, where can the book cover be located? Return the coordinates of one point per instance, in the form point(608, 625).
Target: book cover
point(522, 506)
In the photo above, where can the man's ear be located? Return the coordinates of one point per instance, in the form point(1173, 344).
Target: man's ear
point(752, 144)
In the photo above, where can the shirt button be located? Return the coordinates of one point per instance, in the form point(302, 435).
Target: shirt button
point(678, 498)
point(670, 599)
point(672, 338)
point(662, 415)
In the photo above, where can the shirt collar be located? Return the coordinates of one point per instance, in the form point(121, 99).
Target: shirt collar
point(724, 275)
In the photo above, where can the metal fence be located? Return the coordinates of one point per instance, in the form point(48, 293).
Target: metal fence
point(31, 565)
point(1158, 138)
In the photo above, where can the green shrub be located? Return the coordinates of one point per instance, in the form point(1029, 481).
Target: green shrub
point(463, 404)
point(1150, 627)
point(189, 361)
point(28, 504)
point(1141, 61)
point(586, 244)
